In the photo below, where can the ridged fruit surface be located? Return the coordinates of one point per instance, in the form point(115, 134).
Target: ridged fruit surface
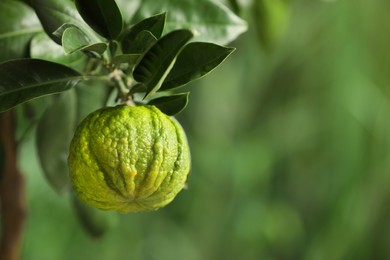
point(129, 159)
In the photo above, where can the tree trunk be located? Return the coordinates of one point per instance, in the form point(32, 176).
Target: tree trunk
point(12, 192)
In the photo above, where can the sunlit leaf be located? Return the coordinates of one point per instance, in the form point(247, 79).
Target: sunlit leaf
point(54, 133)
point(171, 105)
point(25, 79)
point(194, 61)
point(103, 16)
point(211, 20)
point(158, 60)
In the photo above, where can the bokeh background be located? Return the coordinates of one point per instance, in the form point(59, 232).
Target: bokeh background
point(290, 143)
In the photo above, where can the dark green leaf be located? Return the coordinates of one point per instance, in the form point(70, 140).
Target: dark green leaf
point(54, 133)
point(99, 47)
point(94, 221)
point(210, 20)
point(194, 61)
point(154, 25)
point(130, 59)
point(53, 14)
point(25, 79)
point(103, 16)
point(140, 44)
point(171, 105)
point(18, 24)
point(158, 60)
point(73, 39)
point(42, 47)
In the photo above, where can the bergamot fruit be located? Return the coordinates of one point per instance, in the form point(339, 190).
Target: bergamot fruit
point(129, 159)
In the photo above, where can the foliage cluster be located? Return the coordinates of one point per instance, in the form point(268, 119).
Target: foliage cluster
point(96, 53)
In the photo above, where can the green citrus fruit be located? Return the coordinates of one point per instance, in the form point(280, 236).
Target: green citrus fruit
point(129, 159)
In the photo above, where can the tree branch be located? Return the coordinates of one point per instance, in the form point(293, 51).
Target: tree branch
point(12, 192)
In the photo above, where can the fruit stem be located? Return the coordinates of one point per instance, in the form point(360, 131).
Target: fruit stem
point(117, 75)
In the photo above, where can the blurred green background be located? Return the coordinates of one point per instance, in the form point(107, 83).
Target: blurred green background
point(290, 142)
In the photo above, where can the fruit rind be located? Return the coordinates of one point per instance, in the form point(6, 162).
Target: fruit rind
point(129, 159)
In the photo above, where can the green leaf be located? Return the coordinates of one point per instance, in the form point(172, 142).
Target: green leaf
point(42, 47)
point(99, 47)
point(25, 79)
point(54, 133)
point(194, 61)
point(53, 14)
point(130, 59)
point(210, 20)
point(103, 16)
point(18, 25)
point(60, 31)
point(73, 39)
point(171, 105)
point(114, 48)
point(154, 25)
point(94, 221)
point(158, 60)
point(140, 44)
